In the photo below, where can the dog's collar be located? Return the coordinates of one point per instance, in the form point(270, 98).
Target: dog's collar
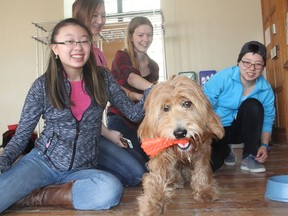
point(153, 146)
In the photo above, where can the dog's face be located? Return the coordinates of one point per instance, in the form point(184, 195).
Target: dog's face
point(177, 109)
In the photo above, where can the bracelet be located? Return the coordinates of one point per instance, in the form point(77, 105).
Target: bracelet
point(266, 146)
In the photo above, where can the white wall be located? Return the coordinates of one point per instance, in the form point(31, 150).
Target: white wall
point(199, 34)
point(208, 34)
point(18, 51)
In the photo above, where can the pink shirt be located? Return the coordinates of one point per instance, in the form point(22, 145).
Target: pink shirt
point(99, 57)
point(79, 97)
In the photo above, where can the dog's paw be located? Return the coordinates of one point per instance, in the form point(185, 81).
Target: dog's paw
point(207, 196)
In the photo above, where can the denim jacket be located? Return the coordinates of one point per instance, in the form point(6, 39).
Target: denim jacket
point(65, 142)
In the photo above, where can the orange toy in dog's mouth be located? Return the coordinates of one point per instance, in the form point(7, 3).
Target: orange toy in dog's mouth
point(155, 145)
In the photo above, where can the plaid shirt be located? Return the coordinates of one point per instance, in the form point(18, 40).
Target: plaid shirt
point(121, 69)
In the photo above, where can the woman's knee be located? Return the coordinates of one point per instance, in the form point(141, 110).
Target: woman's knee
point(253, 105)
point(112, 194)
point(97, 193)
point(135, 180)
point(131, 177)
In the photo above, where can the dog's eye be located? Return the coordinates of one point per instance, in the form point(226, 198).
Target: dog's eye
point(187, 104)
point(166, 108)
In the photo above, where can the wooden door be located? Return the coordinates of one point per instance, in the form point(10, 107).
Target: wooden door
point(274, 27)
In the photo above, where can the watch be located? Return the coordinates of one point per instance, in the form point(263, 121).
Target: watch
point(266, 146)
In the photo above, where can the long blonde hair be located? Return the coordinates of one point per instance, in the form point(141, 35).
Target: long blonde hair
point(133, 24)
point(55, 73)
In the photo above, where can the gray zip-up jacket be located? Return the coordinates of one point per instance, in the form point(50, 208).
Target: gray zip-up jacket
point(66, 143)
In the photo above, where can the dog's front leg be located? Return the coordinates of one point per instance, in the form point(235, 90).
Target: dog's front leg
point(157, 187)
point(203, 185)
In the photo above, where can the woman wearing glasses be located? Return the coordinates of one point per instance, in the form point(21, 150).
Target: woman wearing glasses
point(71, 97)
point(244, 101)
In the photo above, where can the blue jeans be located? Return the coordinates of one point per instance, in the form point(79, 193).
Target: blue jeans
point(118, 123)
point(92, 190)
point(118, 161)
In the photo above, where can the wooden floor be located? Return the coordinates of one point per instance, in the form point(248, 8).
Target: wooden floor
point(242, 193)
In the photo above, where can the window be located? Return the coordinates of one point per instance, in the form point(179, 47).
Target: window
point(131, 5)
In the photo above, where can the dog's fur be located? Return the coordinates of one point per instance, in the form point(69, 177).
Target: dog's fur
point(176, 109)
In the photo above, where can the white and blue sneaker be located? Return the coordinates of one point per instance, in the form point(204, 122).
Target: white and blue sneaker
point(250, 164)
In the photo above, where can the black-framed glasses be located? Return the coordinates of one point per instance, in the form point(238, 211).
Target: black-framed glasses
point(257, 66)
point(84, 43)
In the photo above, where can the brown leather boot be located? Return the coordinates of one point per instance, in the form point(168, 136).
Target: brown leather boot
point(52, 195)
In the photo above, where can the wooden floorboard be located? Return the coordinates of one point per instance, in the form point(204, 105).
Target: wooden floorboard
point(241, 193)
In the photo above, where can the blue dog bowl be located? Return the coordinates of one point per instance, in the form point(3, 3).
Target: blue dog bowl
point(277, 188)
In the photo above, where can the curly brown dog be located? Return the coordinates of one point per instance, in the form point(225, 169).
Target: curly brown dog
point(177, 132)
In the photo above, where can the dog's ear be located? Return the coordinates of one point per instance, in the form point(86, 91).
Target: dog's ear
point(144, 130)
point(214, 125)
point(153, 106)
point(147, 128)
point(148, 124)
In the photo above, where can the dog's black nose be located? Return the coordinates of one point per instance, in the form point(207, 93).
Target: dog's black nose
point(181, 133)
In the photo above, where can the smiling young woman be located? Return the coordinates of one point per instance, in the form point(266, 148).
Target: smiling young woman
point(134, 70)
point(244, 101)
point(61, 170)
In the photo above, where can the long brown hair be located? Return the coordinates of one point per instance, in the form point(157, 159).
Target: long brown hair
point(84, 9)
point(133, 24)
point(93, 79)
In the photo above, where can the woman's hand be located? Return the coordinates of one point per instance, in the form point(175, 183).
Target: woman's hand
point(135, 96)
point(112, 135)
point(115, 136)
point(262, 154)
point(263, 151)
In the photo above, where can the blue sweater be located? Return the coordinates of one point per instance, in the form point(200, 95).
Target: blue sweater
point(224, 90)
point(72, 143)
